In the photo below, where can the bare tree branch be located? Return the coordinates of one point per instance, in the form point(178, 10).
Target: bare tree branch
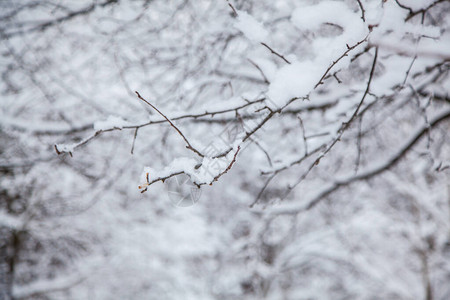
point(189, 146)
point(370, 171)
point(276, 53)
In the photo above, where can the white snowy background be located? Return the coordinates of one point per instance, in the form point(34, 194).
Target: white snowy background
point(314, 137)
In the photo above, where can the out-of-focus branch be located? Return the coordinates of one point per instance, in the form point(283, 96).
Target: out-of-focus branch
point(341, 130)
point(422, 11)
point(45, 25)
point(370, 171)
point(261, 42)
point(418, 51)
point(248, 135)
point(43, 287)
point(276, 53)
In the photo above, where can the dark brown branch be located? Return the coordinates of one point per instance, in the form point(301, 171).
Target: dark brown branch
point(228, 168)
point(296, 162)
point(349, 48)
point(145, 186)
point(409, 70)
point(286, 112)
point(372, 71)
point(262, 43)
point(279, 170)
point(303, 134)
point(232, 8)
point(266, 184)
point(148, 183)
point(371, 171)
point(269, 160)
point(83, 142)
point(362, 10)
point(260, 71)
point(267, 118)
point(189, 146)
point(420, 11)
point(249, 134)
point(404, 7)
point(276, 53)
point(188, 116)
point(341, 131)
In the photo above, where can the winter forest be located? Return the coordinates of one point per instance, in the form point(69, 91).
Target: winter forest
point(214, 149)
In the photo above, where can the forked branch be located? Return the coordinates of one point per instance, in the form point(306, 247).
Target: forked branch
point(188, 146)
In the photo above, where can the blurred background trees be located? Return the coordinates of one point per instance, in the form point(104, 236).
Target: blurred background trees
point(339, 187)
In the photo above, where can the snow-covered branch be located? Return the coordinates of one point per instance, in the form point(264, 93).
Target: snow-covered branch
point(367, 173)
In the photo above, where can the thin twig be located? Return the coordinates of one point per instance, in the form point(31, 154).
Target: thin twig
point(276, 53)
point(372, 71)
point(267, 118)
point(371, 171)
point(303, 134)
point(421, 11)
point(260, 71)
point(409, 70)
point(232, 7)
point(349, 48)
point(189, 146)
point(362, 10)
point(148, 183)
point(278, 171)
point(263, 150)
point(266, 184)
point(262, 43)
point(296, 162)
point(228, 168)
point(341, 130)
point(145, 186)
point(134, 139)
point(188, 116)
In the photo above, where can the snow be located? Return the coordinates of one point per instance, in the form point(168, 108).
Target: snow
point(267, 67)
point(300, 78)
point(38, 126)
point(392, 29)
point(9, 221)
point(199, 172)
point(335, 14)
point(416, 4)
point(66, 148)
point(181, 164)
point(86, 215)
point(41, 286)
point(295, 80)
point(438, 49)
point(330, 12)
point(251, 28)
point(110, 122)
